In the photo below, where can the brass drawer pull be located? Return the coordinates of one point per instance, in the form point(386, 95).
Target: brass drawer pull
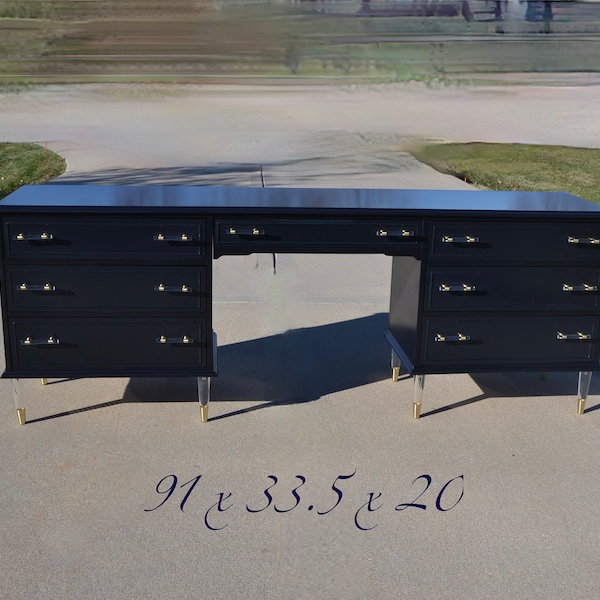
point(33, 237)
point(586, 287)
point(161, 287)
point(573, 336)
point(45, 287)
point(459, 337)
point(254, 231)
point(461, 239)
point(463, 287)
point(51, 341)
point(163, 339)
point(164, 237)
point(585, 240)
point(404, 233)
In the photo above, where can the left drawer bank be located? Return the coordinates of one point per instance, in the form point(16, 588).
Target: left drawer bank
point(107, 295)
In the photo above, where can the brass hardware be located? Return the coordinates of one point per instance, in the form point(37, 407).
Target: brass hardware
point(463, 287)
point(183, 237)
point(253, 231)
point(33, 236)
point(163, 339)
point(46, 287)
point(44, 381)
point(395, 374)
point(586, 287)
point(416, 410)
point(21, 416)
point(51, 341)
point(203, 413)
point(543, 375)
point(573, 336)
point(465, 239)
point(459, 337)
point(581, 406)
point(586, 240)
point(161, 287)
point(401, 233)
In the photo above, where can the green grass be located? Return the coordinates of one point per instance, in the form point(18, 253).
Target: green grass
point(527, 167)
point(27, 163)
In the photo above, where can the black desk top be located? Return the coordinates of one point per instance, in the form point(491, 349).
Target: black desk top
point(289, 201)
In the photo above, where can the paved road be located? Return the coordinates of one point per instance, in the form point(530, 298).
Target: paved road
point(319, 136)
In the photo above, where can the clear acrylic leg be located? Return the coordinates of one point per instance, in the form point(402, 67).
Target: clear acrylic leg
point(17, 387)
point(203, 397)
point(396, 366)
point(419, 384)
point(583, 388)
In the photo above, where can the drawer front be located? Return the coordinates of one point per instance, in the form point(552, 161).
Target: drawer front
point(313, 235)
point(495, 341)
point(108, 344)
point(512, 288)
point(107, 288)
point(117, 238)
point(516, 241)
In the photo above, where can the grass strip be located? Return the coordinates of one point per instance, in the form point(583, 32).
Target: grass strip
point(23, 163)
point(527, 167)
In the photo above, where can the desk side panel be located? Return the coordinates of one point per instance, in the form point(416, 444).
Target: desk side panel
point(404, 314)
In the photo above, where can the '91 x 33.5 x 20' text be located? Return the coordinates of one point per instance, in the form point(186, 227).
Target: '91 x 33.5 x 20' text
point(426, 494)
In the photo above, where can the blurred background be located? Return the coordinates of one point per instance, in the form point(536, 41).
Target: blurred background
point(432, 41)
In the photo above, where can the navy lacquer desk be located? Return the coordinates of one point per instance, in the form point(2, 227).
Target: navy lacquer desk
point(111, 281)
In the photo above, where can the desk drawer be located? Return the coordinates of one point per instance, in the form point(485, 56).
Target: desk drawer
point(311, 235)
point(77, 238)
point(107, 288)
point(512, 288)
point(516, 241)
point(514, 340)
point(108, 344)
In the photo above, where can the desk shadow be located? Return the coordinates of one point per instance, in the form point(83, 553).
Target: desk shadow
point(217, 174)
point(522, 384)
point(300, 365)
point(315, 169)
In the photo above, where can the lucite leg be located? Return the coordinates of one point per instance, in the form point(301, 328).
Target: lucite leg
point(203, 397)
point(419, 384)
point(396, 366)
point(17, 386)
point(585, 378)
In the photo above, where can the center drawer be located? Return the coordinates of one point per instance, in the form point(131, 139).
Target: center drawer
point(512, 288)
point(314, 235)
point(104, 289)
point(67, 345)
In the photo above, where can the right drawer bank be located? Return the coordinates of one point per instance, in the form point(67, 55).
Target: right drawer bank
point(499, 296)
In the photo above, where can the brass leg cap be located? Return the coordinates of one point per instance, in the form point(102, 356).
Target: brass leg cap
point(581, 406)
point(44, 381)
point(395, 374)
point(21, 416)
point(203, 414)
point(416, 410)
